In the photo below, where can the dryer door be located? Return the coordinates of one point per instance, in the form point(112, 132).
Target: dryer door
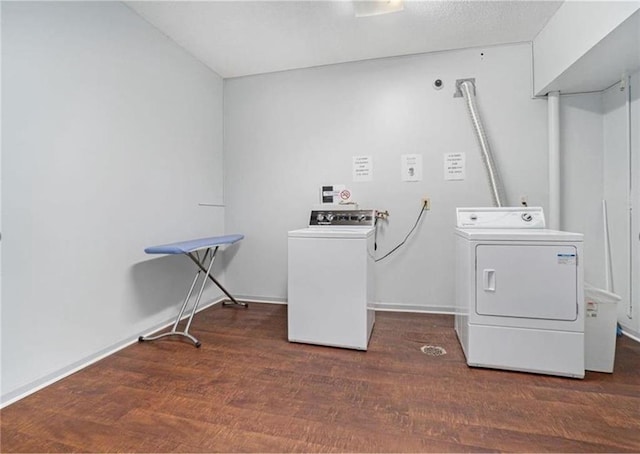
point(527, 281)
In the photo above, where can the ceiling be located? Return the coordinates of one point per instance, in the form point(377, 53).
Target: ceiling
point(239, 38)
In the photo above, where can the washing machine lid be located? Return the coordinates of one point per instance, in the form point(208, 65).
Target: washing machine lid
point(332, 232)
point(518, 235)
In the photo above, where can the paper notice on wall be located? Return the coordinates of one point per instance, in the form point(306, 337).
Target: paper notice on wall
point(411, 167)
point(362, 168)
point(454, 166)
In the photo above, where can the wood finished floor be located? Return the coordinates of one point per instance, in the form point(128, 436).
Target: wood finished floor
point(248, 390)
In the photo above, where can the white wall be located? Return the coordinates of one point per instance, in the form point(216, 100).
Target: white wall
point(616, 187)
point(619, 175)
point(581, 163)
point(633, 324)
point(287, 133)
point(596, 166)
point(576, 28)
point(112, 135)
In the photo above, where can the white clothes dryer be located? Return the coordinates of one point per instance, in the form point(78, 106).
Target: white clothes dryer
point(330, 279)
point(519, 292)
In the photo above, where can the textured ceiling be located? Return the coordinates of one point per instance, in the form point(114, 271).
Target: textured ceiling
point(239, 38)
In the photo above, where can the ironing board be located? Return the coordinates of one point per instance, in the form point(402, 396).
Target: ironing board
point(199, 251)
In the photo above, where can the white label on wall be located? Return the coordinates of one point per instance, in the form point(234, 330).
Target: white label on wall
point(334, 193)
point(454, 166)
point(411, 167)
point(362, 168)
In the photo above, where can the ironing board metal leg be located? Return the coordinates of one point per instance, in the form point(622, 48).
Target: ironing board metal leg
point(204, 281)
point(233, 302)
point(186, 300)
point(195, 341)
point(174, 331)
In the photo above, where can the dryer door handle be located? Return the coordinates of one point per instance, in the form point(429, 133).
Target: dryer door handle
point(489, 280)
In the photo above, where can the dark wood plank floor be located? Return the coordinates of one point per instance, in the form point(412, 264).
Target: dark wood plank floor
point(248, 390)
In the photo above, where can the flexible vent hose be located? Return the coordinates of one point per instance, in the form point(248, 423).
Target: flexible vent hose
point(497, 193)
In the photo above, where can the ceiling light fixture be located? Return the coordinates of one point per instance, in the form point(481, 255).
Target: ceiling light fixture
point(366, 8)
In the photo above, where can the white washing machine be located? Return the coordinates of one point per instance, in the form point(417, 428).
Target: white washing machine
point(519, 292)
point(330, 282)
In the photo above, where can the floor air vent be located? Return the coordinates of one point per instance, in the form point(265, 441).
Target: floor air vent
point(432, 350)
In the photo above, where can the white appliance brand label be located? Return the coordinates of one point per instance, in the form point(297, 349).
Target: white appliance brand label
point(566, 259)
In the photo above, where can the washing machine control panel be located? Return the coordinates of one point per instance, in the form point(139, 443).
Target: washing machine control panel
point(501, 218)
point(354, 218)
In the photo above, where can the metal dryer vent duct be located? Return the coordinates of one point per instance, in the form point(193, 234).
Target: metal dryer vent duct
point(466, 88)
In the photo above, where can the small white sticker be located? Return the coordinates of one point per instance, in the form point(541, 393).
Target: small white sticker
point(566, 259)
point(592, 309)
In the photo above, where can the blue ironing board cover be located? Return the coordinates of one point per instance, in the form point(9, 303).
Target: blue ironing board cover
point(184, 247)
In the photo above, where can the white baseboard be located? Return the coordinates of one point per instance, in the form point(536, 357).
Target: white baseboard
point(399, 307)
point(260, 299)
point(389, 307)
point(631, 334)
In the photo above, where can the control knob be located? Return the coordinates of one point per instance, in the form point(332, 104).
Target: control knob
point(330, 217)
point(320, 217)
